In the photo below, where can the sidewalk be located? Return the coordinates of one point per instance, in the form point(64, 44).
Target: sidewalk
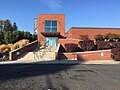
point(62, 62)
point(101, 62)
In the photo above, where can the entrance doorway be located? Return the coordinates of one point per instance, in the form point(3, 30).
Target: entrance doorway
point(51, 41)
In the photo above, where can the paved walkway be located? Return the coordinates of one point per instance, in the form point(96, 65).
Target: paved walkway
point(62, 62)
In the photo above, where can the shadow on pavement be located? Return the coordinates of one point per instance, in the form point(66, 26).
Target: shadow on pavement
point(14, 71)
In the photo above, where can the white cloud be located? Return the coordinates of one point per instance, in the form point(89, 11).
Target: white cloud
point(53, 4)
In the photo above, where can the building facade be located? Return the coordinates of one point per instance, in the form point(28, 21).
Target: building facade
point(51, 31)
point(51, 28)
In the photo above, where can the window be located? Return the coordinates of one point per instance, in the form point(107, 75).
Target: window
point(50, 26)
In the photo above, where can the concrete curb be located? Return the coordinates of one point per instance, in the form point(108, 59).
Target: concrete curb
point(62, 62)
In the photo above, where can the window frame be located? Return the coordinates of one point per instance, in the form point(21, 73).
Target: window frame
point(51, 26)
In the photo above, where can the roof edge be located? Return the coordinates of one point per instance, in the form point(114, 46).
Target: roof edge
point(90, 28)
point(93, 28)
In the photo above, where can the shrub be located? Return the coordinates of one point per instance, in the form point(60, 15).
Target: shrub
point(7, 50)
point(78, 49)
point(10, 46)
point(87, 45)
point(114, 44)
point(2, 48)
point(20, 44)
point(115, 54)
point(103, 45)
point(108, 37)
point(15, 46)
point(70, 47)
point(25, 41)
point(99, 37)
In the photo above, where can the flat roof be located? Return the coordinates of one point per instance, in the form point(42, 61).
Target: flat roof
point(92, 28)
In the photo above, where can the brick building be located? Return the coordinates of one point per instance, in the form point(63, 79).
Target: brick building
point(51, 30)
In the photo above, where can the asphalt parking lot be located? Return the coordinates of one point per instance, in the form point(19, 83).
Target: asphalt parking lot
point(59, 77)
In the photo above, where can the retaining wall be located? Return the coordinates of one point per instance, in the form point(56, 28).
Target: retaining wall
point(90, 55)
point(13, 55)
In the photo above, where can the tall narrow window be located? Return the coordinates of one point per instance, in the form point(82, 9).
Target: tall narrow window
point(51, 26)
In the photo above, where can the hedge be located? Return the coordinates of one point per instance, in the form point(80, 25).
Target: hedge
point(87, 45)
point(114, 44)
point(70, 47)
point(115, 54)
point(101, 45)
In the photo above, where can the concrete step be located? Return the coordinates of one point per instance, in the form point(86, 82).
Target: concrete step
point(47, 53)
point(49, 56)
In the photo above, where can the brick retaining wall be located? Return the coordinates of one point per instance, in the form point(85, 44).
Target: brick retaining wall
point(90, 55)
point(13, 55)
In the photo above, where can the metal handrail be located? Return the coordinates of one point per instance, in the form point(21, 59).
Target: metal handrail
point(38, 54)
point(46, 43)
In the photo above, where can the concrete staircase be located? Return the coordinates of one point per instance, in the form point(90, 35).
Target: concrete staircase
point(40, 54)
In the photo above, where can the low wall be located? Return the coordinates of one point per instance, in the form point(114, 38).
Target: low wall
point(57, 52)
point(13, 55)
point(90, 55)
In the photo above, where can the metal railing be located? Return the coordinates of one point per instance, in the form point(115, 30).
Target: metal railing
point(39, 54)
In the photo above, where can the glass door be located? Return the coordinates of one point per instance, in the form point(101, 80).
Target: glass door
point(51, 41)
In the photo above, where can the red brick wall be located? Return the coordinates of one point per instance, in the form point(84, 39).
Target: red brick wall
point(13, 54)
point(64, 41)
point(91, 32)
point(93, 55)
point(41, 19)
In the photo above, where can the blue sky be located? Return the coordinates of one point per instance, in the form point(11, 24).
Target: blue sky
point(79, 13)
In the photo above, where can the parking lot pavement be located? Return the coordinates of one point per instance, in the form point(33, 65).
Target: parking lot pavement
point(59, 77)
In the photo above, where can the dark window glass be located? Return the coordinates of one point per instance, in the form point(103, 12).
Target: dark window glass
point(54, 23)
point(47, 29)
point(47, 23)
point(54, 29)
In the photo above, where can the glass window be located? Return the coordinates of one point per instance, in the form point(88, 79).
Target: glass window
point(47, 29)
point(54, 23)
point(51, 26)
point(54, 29)
point(47, 23)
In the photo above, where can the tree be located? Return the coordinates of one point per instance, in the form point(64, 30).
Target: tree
point(10, 34)
point(14, 26)
point(6, 37)
point(27, 35)
point(16, 36)
point(7, 25)
point(1, 24)
point(1, 38)
point(33, 38)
